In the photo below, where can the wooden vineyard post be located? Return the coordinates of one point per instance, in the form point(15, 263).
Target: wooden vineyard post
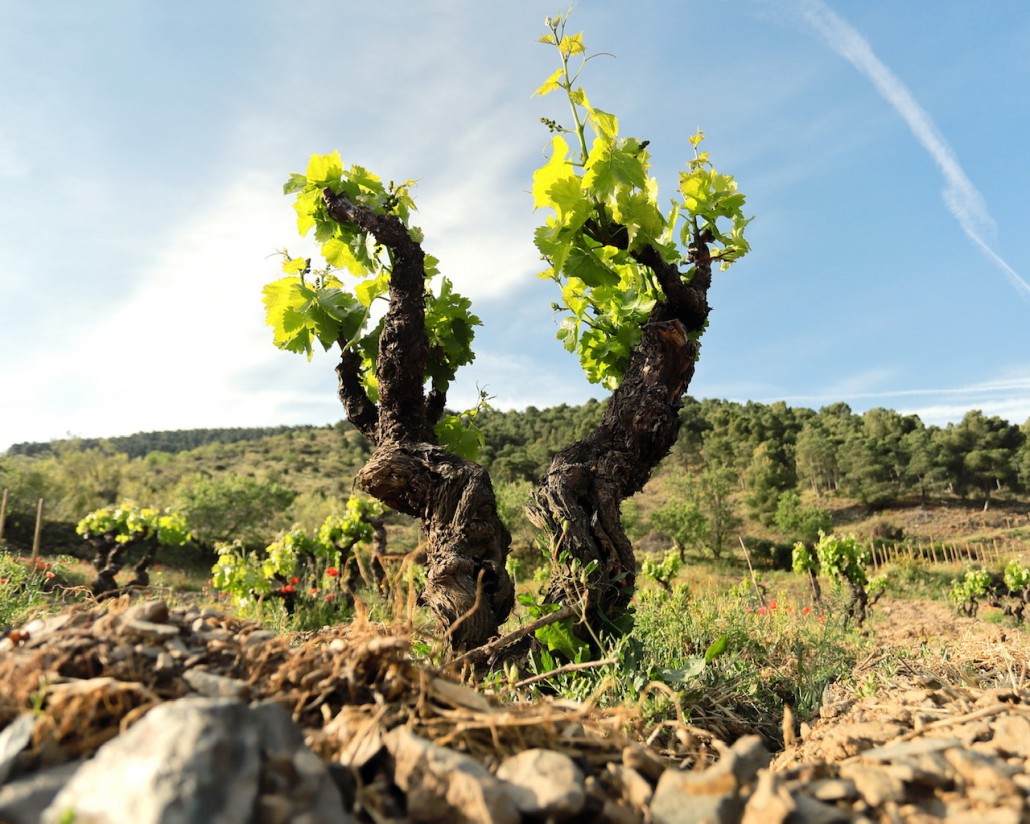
point(3, 513)
point(39, 530)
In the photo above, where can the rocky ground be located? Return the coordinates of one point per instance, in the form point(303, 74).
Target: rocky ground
point(137, 712)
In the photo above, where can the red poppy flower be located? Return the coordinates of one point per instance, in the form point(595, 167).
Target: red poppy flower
point(332, 572)
point(330, 597)
point(294, 580)
point(288, 589)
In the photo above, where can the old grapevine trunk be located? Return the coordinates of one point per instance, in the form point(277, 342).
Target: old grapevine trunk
point(467, 585)
point(578, 500)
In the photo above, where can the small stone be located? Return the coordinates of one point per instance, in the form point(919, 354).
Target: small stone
point(999, 695)
point(981, 771)
point(221, 635)
point(177, 647)
point(445, 786)
point(613, 813)
point(215, 686)
point(259, 637)
point(692, 798)
point(149, 630)
point(274, 809)
point(770, 803)
point(208, 745)
point(644, 760)
point(13, 740)
point(893, 752)
point(637, 790)
point(811, 811)
point(851, 739)
point(551, 783)
point(833, 789)
point(835, 709)
point(957, 814)
point(154, 611)
point(974, 731)
point(875, 785)
point(747, 756)
point(919, 697)
point(23, 800)
point(1012, 735)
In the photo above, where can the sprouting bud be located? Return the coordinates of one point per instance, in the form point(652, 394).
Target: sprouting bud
point(551, 23)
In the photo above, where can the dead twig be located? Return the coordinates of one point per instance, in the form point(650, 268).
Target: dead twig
point(525, 682)
point(751, 569)
point(486, 650)
point(476, 604)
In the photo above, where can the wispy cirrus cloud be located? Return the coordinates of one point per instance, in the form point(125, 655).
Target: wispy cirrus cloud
point(1006, 396)
point(961, 197)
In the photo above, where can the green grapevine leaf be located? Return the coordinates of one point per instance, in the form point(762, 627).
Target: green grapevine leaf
point(294, 266)
point(453, 433)
point(450, 329)
point(324, 170)
point(339, 254)
point(295, 183)
point(558, 637)
point(582, 263)
point(571, 44)
point(553, 82)
point(299, 314)
point(608, 167)
point(551, 172)
point(605, 209)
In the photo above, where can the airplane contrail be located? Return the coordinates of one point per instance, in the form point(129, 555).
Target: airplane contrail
point(961, 197)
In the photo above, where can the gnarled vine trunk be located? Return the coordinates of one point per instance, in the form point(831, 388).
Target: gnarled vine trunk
point(467, 584)
point(467, 587)
point(579, 498)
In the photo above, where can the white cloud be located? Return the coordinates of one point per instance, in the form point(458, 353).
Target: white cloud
point(516, 381)
point(167, 357)
point(1006, 396)
point(961, 197)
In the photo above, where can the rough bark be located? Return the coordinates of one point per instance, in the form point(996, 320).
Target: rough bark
point(468, 587)
point(578, 500)
point(111, 556)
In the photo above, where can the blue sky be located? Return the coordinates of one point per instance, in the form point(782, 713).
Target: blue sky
point(143, 146)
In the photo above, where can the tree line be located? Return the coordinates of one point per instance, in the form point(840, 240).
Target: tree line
point(167, 440)
point(879, 457)
point(752, 451)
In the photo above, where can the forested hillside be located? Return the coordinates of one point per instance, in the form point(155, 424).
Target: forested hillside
point(173, 440)
point(737, 469)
